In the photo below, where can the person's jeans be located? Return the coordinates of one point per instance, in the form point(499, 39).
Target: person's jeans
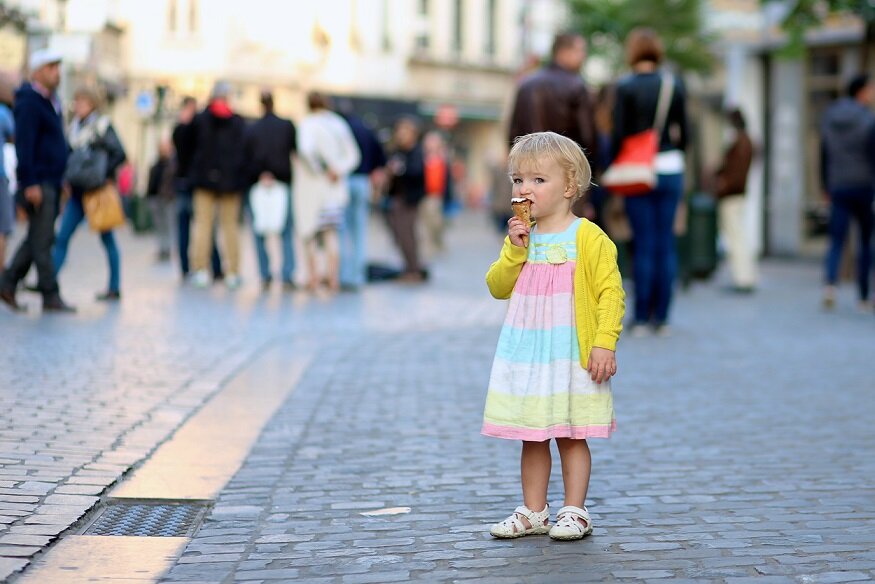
point(184, 215)
point(848, 203)
point(36, 248)
point(354, 233)
point(74, 214)
point(163, 211)
point(655, 265)
point(288, 268)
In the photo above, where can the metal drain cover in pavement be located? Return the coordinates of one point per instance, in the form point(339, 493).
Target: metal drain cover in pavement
point(148, 519)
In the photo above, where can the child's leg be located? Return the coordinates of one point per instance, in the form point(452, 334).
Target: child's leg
point(576, 466)
point(535, 463)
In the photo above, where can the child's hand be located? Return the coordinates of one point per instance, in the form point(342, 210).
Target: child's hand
point(517, 229)
point(602, 364)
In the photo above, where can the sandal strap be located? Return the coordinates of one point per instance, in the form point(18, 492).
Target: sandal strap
point(575, 512)
point(536, 518)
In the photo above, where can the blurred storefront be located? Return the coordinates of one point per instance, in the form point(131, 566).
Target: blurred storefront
point(783, 98)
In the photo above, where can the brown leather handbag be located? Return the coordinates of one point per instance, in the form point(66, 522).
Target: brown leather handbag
point(103, 208)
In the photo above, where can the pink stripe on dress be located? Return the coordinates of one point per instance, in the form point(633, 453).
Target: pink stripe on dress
point(540, 435)
point(541, 279)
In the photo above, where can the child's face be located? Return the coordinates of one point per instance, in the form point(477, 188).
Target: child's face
point(546, 186)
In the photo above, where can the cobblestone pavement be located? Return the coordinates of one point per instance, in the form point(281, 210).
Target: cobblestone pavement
point(743, 451)
point(741, 454)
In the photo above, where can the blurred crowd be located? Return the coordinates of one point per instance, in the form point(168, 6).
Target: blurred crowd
point(311, 184)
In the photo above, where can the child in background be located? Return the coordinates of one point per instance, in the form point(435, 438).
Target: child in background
point(555, 355)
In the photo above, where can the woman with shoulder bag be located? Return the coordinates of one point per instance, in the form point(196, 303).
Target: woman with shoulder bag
point(96, 154)
point(646, 99)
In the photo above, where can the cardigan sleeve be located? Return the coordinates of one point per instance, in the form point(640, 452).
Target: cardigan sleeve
point(503, 274)
point(609, 294)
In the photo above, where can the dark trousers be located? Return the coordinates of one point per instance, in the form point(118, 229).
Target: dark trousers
point(184, 215)
point(402, 219)
point(655, 264)
point(36, 248)
point(850, 203)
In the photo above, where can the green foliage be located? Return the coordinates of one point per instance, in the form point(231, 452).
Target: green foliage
point(807, 14)
point(605, 23)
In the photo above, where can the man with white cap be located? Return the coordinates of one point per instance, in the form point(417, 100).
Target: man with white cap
point(42, 157)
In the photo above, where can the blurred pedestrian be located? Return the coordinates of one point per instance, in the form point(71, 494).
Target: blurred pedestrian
point(500, 191)
point(354, 234)
point(7, 136)
point(218, 178)
point(269, 147)
point(556, 354)
point(41, 150)
point(161, 192)
point(328, 154)
point(89, 129)
point(731, 185)
point(556, 99)
point(437, 185)
point(652, 214)
point(182, 145)
point(848, 176)
point(406, 170)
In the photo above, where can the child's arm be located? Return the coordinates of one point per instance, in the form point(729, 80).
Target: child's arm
point(609, 293)
point(503, 274)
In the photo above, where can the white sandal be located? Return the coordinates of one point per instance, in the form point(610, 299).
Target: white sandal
point(513, 526)
point(568, 525)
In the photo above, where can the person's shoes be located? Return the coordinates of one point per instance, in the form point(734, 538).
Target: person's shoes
point(829, 297)
point(662, 330)
point(411, 278)
point(233, 281)
point(31, 288)
point(289, 286)
point(162, 257)
point(639, 330)
point(265, 285)
point(865, 306)
point(8, 298)
point(201, 279)
point(350, 288)
point(57, 305)
point(109, 296)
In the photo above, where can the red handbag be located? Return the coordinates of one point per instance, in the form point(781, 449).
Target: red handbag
point(633, 171)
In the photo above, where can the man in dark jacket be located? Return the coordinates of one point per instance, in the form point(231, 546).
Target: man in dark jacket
point(269, 146)
point(42, 157)
point(556, 99)
point(182, 145)
point(218, 177)
point(848, 175)
point(731, 188)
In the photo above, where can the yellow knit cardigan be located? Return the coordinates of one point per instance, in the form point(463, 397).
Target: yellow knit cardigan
point(599, 299)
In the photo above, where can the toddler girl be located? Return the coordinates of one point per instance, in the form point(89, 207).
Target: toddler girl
point(555, 355)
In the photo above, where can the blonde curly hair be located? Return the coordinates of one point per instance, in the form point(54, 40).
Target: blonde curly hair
point(529, 150)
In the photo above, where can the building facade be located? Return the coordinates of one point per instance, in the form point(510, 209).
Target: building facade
point(453, 62)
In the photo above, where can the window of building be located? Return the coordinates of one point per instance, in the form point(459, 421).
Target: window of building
point(490, 27)
point(171, 16)
point(387, 31)
point(457, 26)
point(423, 35)
point(193, 16)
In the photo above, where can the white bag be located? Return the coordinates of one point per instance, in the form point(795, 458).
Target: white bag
point(270, 207)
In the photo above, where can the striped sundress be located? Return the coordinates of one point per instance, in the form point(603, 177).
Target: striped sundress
point(538, 389)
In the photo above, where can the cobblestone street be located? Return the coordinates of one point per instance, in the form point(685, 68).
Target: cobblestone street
point(744, 447)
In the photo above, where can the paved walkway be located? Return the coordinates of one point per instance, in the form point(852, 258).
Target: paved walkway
point(743, 451)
